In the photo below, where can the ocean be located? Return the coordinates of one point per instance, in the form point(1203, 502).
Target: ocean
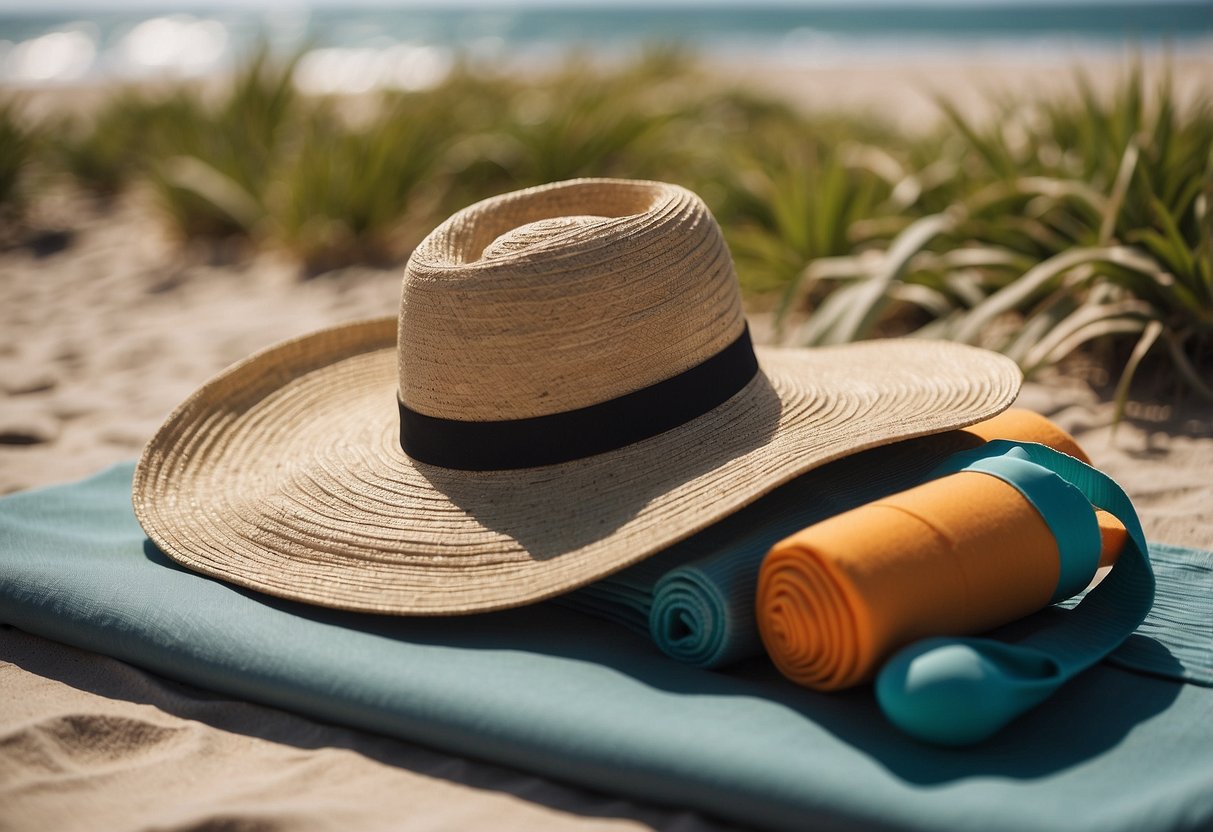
point(349, 49)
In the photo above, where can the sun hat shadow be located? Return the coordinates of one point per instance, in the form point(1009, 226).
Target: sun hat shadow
point(545, 510)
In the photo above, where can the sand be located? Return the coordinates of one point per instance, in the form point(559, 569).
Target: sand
point(904, 93)
point(103, 330)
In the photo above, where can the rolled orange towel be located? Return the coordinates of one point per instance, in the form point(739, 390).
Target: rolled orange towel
point(1017, 423)
point(954, 556)
point(1029, 426)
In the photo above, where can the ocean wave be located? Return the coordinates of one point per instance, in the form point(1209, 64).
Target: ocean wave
point(354, 51)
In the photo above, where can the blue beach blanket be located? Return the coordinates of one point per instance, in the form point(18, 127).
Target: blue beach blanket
point(566, 695)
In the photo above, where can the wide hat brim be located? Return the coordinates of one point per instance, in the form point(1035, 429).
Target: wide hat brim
point(285, 474)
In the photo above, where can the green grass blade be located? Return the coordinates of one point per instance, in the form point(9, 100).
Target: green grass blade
point(1186, 369)
point(1149, 336)
point(1181, 255)
point(1028, 333)
point(990, 148)
point(819, 328)
point(931, 301)
point(1039, 278)
point(205, 182)
point(1124, 176)
point(866, 305)
point(1087, 322)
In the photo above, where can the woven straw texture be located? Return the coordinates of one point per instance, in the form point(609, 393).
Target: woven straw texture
point(285, 474)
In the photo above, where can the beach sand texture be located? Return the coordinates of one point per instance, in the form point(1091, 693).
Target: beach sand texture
point(98, 342)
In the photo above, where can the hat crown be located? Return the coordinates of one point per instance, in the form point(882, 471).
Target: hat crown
point(563, 296)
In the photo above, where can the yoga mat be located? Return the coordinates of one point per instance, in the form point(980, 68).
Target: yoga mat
point(696, 599)
point(568, 696)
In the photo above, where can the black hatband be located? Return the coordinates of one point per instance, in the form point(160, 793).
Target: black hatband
point(574, 434)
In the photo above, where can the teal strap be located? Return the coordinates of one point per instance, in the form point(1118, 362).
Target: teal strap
point(957, 691)
point(1066, 511)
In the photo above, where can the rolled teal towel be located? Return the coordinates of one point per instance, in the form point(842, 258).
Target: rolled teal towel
point(702, 612)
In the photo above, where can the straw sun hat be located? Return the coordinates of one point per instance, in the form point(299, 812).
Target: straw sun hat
point(569, 388)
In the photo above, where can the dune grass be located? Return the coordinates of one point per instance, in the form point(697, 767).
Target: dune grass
point(364, 193)
point(1122, 242)
point(106, 150)
point(1059, 224)
point(1100, 209)
point(15, 155)
point(1076, 222)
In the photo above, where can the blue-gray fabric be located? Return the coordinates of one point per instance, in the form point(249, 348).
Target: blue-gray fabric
point(558, 693)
